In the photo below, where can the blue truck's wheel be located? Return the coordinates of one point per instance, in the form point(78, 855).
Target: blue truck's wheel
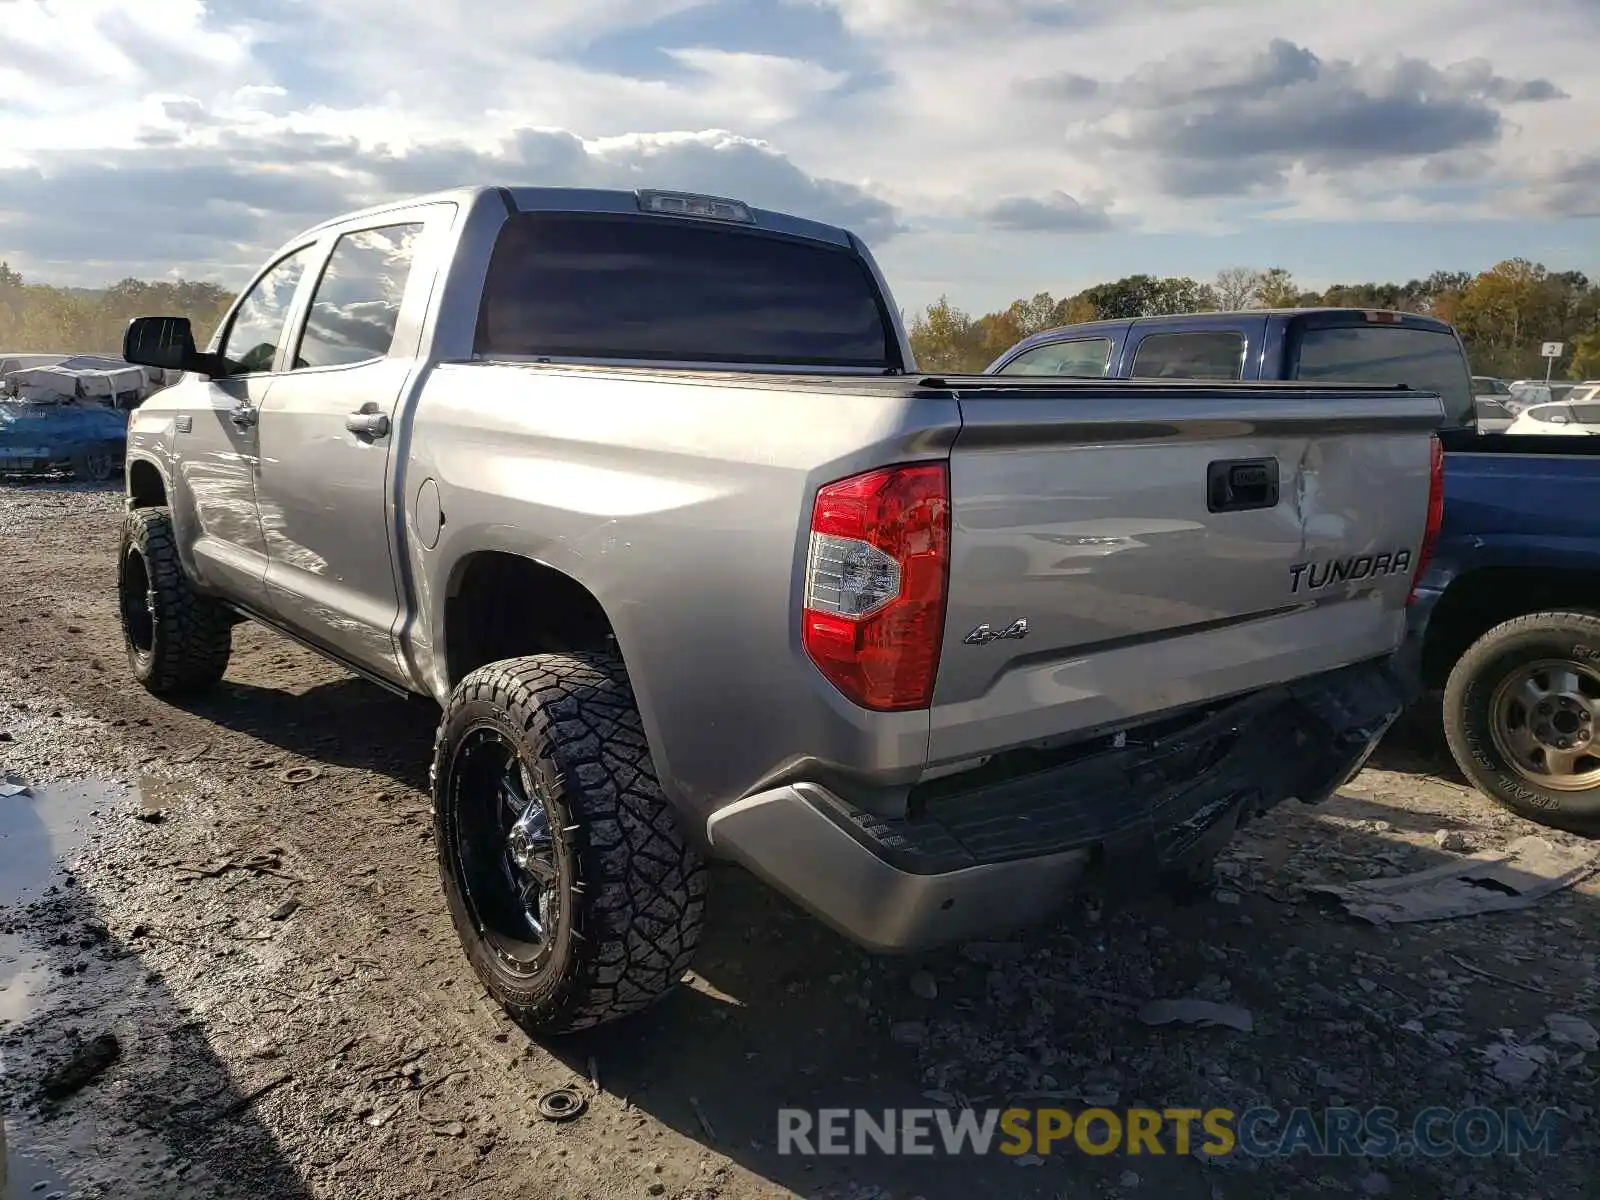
point(177, 640)
point(1522, 717)
point(571, 887)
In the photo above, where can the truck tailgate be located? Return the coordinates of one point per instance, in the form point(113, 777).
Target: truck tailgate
point(1122, 550)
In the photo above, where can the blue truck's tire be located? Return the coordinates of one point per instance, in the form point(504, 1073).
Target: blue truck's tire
point(178, 641)
point(1490, 742)
point(620, 912)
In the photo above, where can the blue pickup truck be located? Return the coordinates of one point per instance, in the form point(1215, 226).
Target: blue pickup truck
point(1509, 605)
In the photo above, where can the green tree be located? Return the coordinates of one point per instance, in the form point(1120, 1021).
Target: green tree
point(36, 317)
point(1586, 356)
point(1149, 296)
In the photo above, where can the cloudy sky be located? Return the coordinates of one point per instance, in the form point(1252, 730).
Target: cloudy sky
point(986, 148)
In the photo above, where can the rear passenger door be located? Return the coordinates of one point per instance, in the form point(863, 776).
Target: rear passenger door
point(324, 485)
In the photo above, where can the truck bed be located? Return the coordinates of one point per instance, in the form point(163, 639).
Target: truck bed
point(1079, 508)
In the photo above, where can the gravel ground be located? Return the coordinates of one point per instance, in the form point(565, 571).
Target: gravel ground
point(247, 903)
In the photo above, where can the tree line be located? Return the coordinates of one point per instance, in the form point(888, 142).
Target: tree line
point(38, 318)
point(1503, 314)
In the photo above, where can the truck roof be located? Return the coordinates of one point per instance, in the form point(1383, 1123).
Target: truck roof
point(1388, 316)
point(523, 199)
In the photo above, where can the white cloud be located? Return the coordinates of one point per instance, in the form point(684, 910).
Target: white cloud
point(180, 134)
point(223, 198)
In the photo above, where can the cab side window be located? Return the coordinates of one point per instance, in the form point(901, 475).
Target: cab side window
point(1207, 354)
point(251, 343)
point(356, 306)
point(1083, 358)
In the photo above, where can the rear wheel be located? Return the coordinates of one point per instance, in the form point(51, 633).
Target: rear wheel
point(1522, 717)
point(570, 885)
point(177, 639)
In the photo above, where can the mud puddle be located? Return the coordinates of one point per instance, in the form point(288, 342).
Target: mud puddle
point(31, 1173)
point(40, 826)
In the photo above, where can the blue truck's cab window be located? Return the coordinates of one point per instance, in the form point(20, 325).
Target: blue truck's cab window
point(1429, 360)
point(1081, 358)
point(1191, 354)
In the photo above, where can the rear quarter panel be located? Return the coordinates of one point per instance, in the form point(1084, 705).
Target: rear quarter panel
point(683, 506)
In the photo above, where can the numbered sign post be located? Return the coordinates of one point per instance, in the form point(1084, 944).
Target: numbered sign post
point(1551, 351)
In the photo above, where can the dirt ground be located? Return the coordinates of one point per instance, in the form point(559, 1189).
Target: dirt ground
point(246, 900)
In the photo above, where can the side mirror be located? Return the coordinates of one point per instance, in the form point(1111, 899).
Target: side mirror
point(167, 343)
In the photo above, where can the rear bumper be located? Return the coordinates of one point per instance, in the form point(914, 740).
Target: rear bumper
point(1006, 845)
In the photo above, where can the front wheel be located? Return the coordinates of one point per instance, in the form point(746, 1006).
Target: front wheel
point(571, 887)
point(177, 639)
point(1522, 717)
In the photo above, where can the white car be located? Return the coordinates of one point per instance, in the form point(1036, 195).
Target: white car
point(1564, 417)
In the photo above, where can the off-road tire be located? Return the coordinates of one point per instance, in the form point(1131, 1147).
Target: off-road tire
point(634, 890)
point(190, 636)
point(1569, 636)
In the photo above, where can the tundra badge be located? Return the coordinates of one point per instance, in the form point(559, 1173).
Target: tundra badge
point(983, 634)
point(1318, 575)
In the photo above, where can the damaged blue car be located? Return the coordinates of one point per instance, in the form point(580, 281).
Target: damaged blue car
point(68, 413)
point(56, 433)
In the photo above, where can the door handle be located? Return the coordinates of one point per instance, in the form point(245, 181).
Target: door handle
point(1242, 484)
point(368, 424)
point(244, 416)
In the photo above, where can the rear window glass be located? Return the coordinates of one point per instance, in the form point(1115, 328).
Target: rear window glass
point(1426, 359)
point(1084, 358)
point(581, 286)
point(1213, 354)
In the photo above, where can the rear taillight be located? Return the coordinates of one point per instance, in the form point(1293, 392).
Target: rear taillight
point(876, 577)
point(1430, 534)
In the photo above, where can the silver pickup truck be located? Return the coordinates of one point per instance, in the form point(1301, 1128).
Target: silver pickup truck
point(646, 491)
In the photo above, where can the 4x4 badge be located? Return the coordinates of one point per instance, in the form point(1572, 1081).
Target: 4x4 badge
point(983, 634)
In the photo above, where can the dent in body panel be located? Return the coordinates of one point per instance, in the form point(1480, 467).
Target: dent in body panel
point(688, 521)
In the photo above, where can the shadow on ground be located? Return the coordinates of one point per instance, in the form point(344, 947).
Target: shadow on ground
point(346, 722)
point(164, 1116)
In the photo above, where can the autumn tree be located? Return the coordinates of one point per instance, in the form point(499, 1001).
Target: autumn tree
point(1505, 312)
point(1277, 289)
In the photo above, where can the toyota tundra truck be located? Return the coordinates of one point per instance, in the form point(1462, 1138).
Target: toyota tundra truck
point(645, 490)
